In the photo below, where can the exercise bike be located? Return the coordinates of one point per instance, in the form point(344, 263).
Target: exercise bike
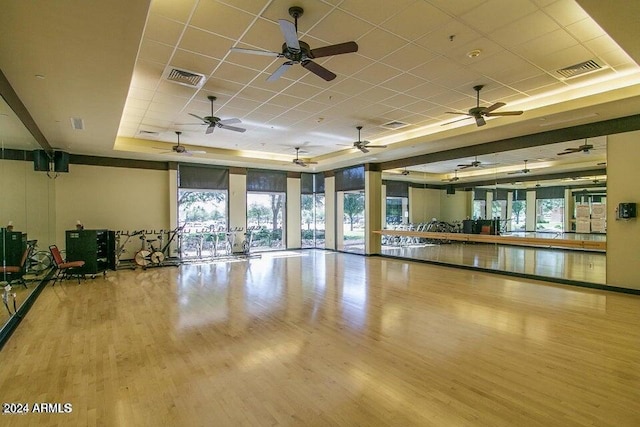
point(151, 255)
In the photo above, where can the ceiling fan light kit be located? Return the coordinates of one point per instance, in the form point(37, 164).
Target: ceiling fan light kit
point(299, 52)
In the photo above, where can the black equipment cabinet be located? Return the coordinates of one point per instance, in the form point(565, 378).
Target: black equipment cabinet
point(95, 247)
point(471, 226)
point(12, 247)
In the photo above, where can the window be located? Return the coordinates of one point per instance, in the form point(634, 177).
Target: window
point(350, 208)
point(550, 209)
point(312, 210)
point(203, 212)
point(397, 210)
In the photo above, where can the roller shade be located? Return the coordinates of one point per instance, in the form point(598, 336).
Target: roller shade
point(203, 178)
point(350, 179)
point(520, 195)
point(550, 193)
point(265, 180)
point(479, 194)
point(311, 183)
point(397, 188)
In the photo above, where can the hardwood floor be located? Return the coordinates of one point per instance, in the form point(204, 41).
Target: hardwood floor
point(575, 265)
point(321, 338)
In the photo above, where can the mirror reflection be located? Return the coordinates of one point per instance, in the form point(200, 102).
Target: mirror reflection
point(24, 223)
point(538, 211)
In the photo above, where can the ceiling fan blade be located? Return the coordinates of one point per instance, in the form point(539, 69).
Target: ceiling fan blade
point(465, 166)
point(254, 52)
point(363, 149)
point(480, 121)
point(459, 120)
point(289, 32)
point(504, 113)
point(198, 117)
point(210, 129)
point(376, 146)
point(319, 70)
point(493, 107)
point(230, 121)
point(233, 128)
point(335, 49)
point(280, 71)
point(455, 112)
point(196, 152)
point(570, 151)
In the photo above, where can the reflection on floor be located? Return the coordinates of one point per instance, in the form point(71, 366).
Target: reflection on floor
point(318, 338)
point(21, 293)
point(581, 266)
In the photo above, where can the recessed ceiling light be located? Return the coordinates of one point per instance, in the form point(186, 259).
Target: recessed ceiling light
point(474, 53)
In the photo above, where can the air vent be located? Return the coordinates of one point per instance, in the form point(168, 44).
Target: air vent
point(77, 123)
point(579, 69)
point(394, 125)
point(183, 77)
point(148, 132)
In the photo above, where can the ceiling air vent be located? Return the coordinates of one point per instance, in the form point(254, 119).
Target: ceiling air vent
point(183, 77)
point(579, 69)
point(148, 133)
point(394, 125)
point(77, 123)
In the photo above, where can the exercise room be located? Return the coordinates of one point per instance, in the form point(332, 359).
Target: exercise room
point(351, 212)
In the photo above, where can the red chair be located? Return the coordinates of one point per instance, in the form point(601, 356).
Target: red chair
point(15, 273)
point(64, 268)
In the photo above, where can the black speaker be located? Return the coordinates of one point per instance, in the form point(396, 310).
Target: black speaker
point(627, 210)
point(451, 189)
point(40, 161)
point(61, 161)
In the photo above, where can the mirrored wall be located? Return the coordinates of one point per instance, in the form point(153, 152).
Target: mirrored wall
point(25, 215)
point(539, 211)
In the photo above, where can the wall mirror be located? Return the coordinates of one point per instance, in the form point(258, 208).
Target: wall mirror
point(554, 192)
point(25, 206)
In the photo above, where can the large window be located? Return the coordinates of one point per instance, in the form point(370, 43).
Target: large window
point(396, 203)
point(202, 208)
point(550, 209)
point(312, 211)
point(350, 233)
point(266, 197)
point(479, 203)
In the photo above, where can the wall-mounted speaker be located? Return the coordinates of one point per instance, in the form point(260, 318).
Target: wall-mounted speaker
point(40, 161)
point(451, 189)
point(61, 161)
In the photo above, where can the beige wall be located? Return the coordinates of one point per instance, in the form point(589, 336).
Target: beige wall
point(329, 213)
point(454, 207)
point(623, 185)
point(424, 204)
point(373, 210)
point(111, 198)
point(26, 200)
point(238, 206)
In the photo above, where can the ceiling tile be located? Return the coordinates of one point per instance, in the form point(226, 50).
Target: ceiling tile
point(399, 100)
point(302, 90)
point(530, 27)
point(533, 83)
point(234, 73)
point(409, 57)
point(163, 30)
point(585, 30)
point(403, 82)
point(146, 74)
point(190, 61)
point(222, 87)
point(565, 58)
point(565, 12)
point(351, 87)
point(221, 19)
point(138, 93)
point(537, 49)
point(256, 94)
point(378, 44)
point(376, 94)
point(376, 73)
point(243, 104)
point(205, 43)
point(251, 6)
point(416, 20)
point(438, 68)
point(450, 36)
point(264, 34)
point(338, 27)
point(176, 89)
point(428, 90)
point(495, 14)
point(176, 10)
point(505, 67)
point(461, 54)
point(286, 101)
point(347, 65)
point(374, 11)
point(314, 11)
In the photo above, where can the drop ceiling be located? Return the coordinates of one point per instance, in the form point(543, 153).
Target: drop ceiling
point(106, 64)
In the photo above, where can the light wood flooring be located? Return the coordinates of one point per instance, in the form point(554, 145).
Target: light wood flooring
point(574, 265)
point(318, 338)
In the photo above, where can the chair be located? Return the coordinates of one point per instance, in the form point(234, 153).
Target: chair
point(63, 267)
point(15, 273)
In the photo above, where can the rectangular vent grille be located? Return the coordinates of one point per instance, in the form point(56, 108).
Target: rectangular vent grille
point(184, 77)
point(579, 69)
point(395, 125)
point(77, 123)
point(148, 132)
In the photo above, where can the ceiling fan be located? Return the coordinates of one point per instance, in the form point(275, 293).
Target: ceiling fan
point(523, 170)
point(299, 52)
point(479, 113)
point(304, 163)
point(454, 178)
point(584, 148)
point(181, 149)
point(474, 164)
point(364, 145)
point(212, 121)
